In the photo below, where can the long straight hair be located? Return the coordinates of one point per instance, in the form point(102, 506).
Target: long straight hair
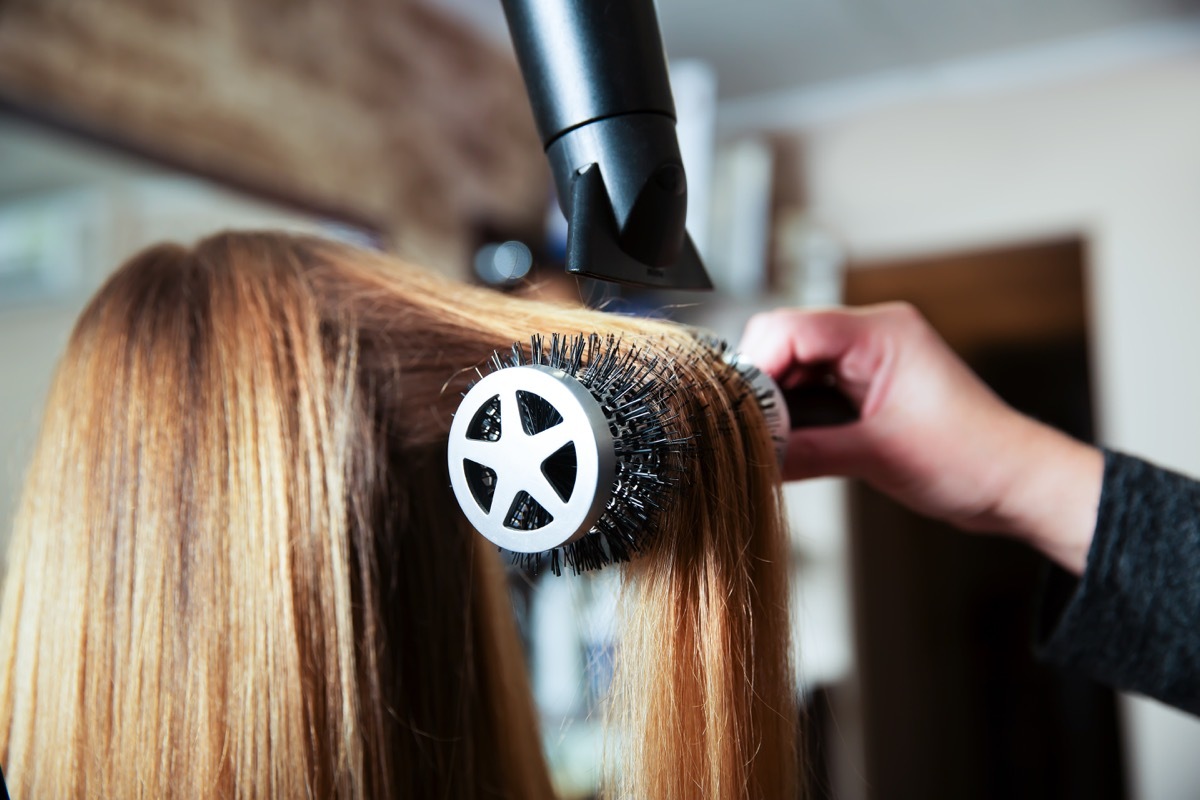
point(237, 569)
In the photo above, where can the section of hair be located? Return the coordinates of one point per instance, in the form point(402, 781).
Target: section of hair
point(703, 685)
point(704, 702)
point(238, 569)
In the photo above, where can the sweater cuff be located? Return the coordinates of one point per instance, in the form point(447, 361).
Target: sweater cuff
point(1126, 621)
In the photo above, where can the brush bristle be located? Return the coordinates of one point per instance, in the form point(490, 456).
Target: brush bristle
point(768, 401)
point(636, 388)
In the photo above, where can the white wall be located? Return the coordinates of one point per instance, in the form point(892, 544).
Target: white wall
point(1116, 158)
point(31, 342)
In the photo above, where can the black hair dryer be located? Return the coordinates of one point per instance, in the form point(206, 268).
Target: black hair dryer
point(597, 79)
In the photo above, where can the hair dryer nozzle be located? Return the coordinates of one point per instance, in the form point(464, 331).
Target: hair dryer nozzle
point(594, 243)
point(597, 79)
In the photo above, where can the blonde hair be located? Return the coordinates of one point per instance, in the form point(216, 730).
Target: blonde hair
point(238, 570)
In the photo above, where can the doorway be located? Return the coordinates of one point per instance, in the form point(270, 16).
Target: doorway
point(954, 702)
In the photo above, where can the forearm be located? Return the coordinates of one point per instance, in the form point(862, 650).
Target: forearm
point(1053, 493)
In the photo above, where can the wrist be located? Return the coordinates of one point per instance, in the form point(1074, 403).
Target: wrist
point(1053, 494)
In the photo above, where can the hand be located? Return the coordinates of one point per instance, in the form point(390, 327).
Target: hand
point(931, 434)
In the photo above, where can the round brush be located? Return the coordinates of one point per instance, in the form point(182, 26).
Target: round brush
point(570, 452)
point(567, 452)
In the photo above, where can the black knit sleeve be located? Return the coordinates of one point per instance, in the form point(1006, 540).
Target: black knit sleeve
point(1133, 619)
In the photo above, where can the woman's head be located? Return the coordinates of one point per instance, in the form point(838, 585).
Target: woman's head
point(238, 569)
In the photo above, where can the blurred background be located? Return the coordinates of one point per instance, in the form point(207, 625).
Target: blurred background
point(1027, 172)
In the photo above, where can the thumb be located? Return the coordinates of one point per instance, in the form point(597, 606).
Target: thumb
point(818, 452)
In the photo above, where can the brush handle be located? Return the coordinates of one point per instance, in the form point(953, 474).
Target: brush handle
point(819, 403)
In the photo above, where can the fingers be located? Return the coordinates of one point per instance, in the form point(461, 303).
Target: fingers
point(818, 452)
point(787, 343)
point(859, 346)
point(775, 341)
point(765, 346)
